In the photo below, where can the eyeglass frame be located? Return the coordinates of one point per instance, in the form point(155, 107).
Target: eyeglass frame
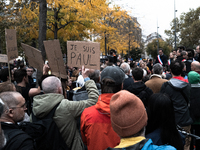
point(23, 106)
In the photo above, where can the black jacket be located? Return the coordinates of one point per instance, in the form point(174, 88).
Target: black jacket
point(195, 102)
point(16, 138)
point(163, 58)
point(179, 93)
point(140, 90)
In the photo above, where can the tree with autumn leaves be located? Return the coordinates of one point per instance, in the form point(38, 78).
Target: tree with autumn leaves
point(72, 20)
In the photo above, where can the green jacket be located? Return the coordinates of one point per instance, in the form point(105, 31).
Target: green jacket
point(66, 113)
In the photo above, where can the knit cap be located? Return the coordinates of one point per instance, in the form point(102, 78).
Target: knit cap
point(193, 77)
point(128, 114)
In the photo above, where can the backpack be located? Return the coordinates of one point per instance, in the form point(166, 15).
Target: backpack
point(45, 132)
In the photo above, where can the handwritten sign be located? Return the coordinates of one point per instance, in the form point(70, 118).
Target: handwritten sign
point(4, 59)
point(11, 44)
point(55, 59)
point(34, 56)
point(83, 53)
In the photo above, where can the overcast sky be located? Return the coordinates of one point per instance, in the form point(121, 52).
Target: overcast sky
point(149, 12)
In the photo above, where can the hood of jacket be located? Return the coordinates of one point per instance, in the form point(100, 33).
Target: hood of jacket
point(43, 104)
point(136, 87)
point(103, 104)
point(178, 84)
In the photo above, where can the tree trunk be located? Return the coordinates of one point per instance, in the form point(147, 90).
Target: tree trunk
point(42, 27)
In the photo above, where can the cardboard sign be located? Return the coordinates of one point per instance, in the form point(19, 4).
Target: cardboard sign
point(83, 53)
point(34, 56)
point(11, 44)
point(4, 59)
point(55, 58)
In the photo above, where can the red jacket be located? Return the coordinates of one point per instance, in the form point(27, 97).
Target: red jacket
point(96, 128)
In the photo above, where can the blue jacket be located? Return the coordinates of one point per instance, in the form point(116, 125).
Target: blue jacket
point(146, 144)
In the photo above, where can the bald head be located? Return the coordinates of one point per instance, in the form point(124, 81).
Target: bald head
point(52, 85)
point(195, 66)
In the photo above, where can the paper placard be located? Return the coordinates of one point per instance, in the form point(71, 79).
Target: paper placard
point(55, 59)
point(4, 59)
point(34, 56)
point(83, 53)
point(11, 44)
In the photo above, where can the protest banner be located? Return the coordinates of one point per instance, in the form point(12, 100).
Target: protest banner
point(34, 56)
point(83, 53)
point(3, 58)
point(55, 58)
point(11, 44)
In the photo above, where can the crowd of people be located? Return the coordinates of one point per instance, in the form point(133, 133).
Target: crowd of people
point(133, 104)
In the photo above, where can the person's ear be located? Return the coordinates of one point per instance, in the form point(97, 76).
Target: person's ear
point(60, 91)
point(9, 112)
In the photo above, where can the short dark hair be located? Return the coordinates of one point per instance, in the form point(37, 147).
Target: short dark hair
point(190, 52)
point(94, 76)
point(176, 67)
point(4, 74)
point(108, 86)
point(161, 49)
point(19, 75)
point(137, 73)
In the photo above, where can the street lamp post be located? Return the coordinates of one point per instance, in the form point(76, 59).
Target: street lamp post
point(157, 40)
point(175, 25)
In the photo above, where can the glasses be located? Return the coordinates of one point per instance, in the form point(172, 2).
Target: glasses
point(23, 106)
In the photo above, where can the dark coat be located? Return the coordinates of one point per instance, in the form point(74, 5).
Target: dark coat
point(16, 138)
point(140, 90)
point(174, 88)
point(163, 58)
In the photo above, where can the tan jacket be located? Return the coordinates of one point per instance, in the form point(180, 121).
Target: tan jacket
point(155, 83)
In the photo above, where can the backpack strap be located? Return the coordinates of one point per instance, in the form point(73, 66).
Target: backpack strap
point(49, 115)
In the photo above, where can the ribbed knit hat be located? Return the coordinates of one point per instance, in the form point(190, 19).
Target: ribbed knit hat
point(193, 77)
point(128, 114)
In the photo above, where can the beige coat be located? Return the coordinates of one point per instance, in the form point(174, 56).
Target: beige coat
point(155, 83)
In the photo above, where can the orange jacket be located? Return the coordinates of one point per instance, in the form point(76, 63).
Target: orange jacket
point(96, 129)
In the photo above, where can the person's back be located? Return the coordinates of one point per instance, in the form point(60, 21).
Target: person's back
point(194, 79)
point(130, 128)
point(161, 127)
point(96, 129)
point(138, 87)
point(155, 82)
point(178, 90)
point(67, 111)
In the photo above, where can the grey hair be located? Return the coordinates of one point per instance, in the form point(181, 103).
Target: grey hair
point(9, 99)
point(125, 67)
point(157, 68)
point(51, 84)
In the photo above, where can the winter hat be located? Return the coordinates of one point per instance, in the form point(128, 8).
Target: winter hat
point(114, 73)
point(128, 114)
point(193, 77)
